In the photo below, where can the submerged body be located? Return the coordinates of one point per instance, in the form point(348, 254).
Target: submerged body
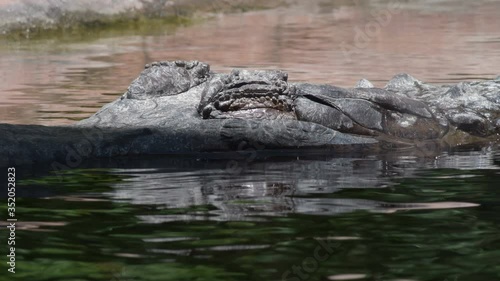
point(182, 107)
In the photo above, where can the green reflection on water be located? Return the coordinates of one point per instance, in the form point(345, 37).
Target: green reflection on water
point(95, 237)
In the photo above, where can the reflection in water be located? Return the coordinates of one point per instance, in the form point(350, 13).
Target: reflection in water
point(276, 188)
point(382, 217)
point(57, 82)
point(421, 216)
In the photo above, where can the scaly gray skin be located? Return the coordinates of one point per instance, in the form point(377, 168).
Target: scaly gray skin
point(167, 79)
point(406, 111)
point(182, 107)
point(470, 107)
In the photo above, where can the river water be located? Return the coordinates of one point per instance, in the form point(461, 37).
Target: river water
point(308, 216)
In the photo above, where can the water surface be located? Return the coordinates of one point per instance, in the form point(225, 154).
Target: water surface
point(404, 215)
point(308, 217)
point(60, 80)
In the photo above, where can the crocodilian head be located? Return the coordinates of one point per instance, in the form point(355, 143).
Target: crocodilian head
point(261, 94)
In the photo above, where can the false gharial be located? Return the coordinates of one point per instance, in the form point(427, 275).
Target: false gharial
point(182, 107)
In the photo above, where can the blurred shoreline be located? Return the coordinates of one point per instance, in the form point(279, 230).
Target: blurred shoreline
point(22, 19)
point(31, 18)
